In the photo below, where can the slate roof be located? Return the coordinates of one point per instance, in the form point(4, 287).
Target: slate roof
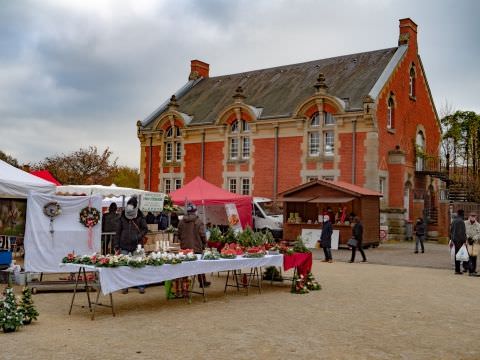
point(279, 90)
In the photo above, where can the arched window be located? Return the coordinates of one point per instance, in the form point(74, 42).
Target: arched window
point(321, 134)
point(239, 140)
point(420, 150)
point(412, 81)
point(173, 145)
point(390, 113)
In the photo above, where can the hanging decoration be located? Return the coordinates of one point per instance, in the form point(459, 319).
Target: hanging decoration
point(89, 217)
point(52, 209)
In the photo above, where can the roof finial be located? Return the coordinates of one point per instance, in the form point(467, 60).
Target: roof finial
point(239, 97)
point(173, 102)
point(320, 85)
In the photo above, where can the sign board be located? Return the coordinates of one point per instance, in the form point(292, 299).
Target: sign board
point(312, 236)
point(232, 217)
point(152, 202)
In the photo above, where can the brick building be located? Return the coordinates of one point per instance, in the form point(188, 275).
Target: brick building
point(367, 119)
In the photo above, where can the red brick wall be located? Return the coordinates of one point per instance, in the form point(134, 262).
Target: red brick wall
point(345, 152)
point(213, 172)
point(396, 185)
point(289, 162)
point(192, 159)
point(154, 184)
point(263, 167)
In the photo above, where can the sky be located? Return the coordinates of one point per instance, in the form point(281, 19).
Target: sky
point(81, 73)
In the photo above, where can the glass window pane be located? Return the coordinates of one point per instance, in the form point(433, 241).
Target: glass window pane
point(313, 144)
point(234, 127)
point(232, 185)
point(315, 121)
point(329, 119)
point(233, 148)
point(245, 126)
point(329, 142)
point(245, 186)
point(178, 183)
point(167, 186)
point(245, 147)
point(178, 151)
point(168, 151)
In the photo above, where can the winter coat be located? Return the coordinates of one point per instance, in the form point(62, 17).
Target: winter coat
point(472, 249)
point(326, 237)
point(473, 230)
point(420, 229)
point(458, 232)
point(191, 233)
point(110, 222)
point(357, 233)
point(130, 233)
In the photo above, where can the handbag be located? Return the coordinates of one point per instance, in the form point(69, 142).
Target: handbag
point(352, 242)
point(462, 254)
point(144, 240)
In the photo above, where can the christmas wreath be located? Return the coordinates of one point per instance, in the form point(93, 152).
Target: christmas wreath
point(52, 209)
point(89, 216)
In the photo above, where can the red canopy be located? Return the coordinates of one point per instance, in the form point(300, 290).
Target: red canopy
point(45, 175)
point(201, 192)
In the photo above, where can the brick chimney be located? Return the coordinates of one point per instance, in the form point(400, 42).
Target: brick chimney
point(408, 33)
point(198, 69)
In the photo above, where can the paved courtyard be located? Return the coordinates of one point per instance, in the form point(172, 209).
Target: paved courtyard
point(364, 311)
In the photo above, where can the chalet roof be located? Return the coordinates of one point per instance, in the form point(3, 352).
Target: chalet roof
point(277, 91)
point(342, 186)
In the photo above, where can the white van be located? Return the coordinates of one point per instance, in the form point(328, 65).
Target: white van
point(265, 218)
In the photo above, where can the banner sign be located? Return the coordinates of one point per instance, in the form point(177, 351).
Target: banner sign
point(152, 202)
point(232, 217)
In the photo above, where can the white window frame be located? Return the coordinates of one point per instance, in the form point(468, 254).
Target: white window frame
point(239, 144)
point(381, 185)
point(167, 186)
point(173, 145)
point(232, 185)
point(246, 188)
point(329, 140)
point(178, 151)
point(390, 112)
point(178, 183)
point(329, 119)
point(168, 152)
point(313, 143)
point(245, 147)
point(412, 80)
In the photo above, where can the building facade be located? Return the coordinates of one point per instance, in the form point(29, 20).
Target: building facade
point(367, 119)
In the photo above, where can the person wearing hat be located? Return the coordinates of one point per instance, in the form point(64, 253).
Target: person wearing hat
point(472, 228)
point(191, 233)
point(131, 230)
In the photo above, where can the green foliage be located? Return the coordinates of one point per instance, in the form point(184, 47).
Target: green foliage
point(268, 237)
point(245, 238)
point(216, 235)
point(299, 246)
point(10, 316)
point(26, 306)
point(9, 159)
point(230, 236)
point(125, 176)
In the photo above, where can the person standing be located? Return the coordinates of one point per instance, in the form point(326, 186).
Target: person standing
point(357, 234)
point(419, 234)
point(326, 239)
point(109, 225)
point(191, 233)
point(131, 230)
point(458, 237)
point(472, 229)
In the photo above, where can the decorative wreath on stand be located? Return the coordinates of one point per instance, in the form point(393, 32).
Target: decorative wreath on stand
point(52, 209)
point(89, 216)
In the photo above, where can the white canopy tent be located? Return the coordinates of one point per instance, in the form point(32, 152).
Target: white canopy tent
point(105, 191)
point(16, 183)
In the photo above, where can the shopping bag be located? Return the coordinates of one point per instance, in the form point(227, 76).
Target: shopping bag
point(462, 254)
point(352, 242)
point(452, 254)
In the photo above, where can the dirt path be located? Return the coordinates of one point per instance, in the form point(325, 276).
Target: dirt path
point(365, 311)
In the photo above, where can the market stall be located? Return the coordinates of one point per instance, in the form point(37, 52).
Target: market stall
point(305, 205)
point(214, 203)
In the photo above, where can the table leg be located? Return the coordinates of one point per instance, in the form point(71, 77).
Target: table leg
point(87, 288)
point(74, 290)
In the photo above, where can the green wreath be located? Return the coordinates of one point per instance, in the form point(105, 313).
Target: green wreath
point(89, 216)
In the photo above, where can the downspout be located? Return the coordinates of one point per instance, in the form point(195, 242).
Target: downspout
point(275, 166)
point(150, 165)
point(354, 151)
point(202, 157)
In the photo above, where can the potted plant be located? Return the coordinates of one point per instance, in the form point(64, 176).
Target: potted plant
point(26, 306)
point(216, 238)
point(10, 316)
point(170, 230)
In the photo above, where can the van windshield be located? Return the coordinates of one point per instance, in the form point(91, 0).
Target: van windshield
point(269, 209)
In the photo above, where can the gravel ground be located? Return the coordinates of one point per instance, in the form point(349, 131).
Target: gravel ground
point(364, 311)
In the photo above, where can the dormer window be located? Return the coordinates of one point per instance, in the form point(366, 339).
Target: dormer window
point(412, 82)
point(239, 140)
point(173, 145)
point(390, 113)
point(321, 134)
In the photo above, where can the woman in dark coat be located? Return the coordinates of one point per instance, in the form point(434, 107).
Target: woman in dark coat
point(326, 239)
point(357, 234)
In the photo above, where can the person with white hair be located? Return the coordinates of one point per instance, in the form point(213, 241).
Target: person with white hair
point(326, 239)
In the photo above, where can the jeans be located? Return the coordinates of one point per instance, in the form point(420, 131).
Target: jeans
point(328, 253)
point(419, 239)
point(354, 250)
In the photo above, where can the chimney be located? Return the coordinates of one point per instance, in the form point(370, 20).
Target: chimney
point(198, 69)
point(408, 33)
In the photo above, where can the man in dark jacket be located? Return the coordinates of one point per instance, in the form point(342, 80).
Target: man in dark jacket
point(191, 233)
point(419, 234)
point(458, 236)
point(109, 225)
point(357, 234)
point(326, 239)
point(131, 230)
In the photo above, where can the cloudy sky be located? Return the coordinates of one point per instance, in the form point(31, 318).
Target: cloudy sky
point(81, 73)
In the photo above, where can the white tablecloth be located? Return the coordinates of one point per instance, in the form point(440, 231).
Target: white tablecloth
point(113, 279)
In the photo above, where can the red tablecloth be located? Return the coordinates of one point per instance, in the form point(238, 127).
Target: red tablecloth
point(302, 261)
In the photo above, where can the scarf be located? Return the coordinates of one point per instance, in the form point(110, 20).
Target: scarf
point(131, 212)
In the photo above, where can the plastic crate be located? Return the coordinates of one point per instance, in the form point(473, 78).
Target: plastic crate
point(5, 257)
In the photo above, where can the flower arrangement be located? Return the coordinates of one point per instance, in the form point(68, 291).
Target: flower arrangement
point(230, 236)
point(228, 252)
point(285, 250)
point(187, 255)
point(299, 246)
point(298, 285)
point(89, 216)
point(254, 252)
point(210, 254)
point(216, 235)
point(311, 283)
point(170, 229)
